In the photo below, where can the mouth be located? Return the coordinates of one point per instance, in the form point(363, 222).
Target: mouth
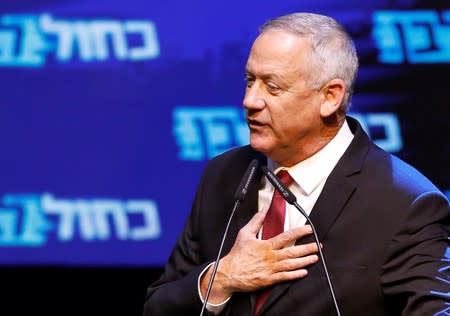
point(254, 123)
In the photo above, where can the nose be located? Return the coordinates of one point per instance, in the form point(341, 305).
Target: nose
point(254, 98)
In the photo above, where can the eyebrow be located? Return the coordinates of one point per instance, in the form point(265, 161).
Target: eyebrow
point(265, 76)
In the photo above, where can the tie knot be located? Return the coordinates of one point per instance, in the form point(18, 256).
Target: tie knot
point(285, 177)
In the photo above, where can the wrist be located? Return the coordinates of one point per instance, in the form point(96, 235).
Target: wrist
point(219, 290)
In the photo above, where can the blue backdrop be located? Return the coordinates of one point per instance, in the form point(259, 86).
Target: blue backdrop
point(110, 110)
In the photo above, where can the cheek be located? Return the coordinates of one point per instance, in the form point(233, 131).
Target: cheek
point(293, 124)
point(287, 118)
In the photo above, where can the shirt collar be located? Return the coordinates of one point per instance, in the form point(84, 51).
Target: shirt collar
point(309, 173)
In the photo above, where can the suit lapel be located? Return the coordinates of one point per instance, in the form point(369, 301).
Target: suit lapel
point(340, 184)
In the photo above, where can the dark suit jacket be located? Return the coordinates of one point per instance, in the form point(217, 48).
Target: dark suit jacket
point(383, 225)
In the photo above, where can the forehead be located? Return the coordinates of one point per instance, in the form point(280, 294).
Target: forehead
point(278, 52)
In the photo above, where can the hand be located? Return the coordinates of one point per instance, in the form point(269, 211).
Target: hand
point(253, 264)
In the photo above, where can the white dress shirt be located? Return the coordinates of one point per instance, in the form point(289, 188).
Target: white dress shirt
point(309, 177)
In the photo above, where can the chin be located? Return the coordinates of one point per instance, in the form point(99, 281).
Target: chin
point(261, 144)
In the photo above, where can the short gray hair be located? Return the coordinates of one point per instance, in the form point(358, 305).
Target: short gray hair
point(333, 54)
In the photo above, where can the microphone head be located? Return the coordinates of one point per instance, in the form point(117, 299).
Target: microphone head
point(242, 189)
point(279, 186)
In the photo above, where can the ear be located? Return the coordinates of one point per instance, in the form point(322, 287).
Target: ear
point(333, 95)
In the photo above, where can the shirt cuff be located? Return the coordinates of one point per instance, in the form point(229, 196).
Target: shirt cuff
point(213, 308)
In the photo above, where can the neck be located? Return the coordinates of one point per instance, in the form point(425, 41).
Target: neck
point(294, 155)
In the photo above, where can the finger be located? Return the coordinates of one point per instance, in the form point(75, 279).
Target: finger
point(289, 275)
point(295, 264)
point(297, 251)
point(255, 223)
point(290, 236)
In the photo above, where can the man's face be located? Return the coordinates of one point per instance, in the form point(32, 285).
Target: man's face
point(283, 111)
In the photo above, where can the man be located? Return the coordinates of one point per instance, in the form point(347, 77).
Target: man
point(383, 226)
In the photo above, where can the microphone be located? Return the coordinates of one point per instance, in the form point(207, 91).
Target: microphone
point(239, 196)
point(291, 199)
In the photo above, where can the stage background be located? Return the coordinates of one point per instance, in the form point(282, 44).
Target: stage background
point(108, 105)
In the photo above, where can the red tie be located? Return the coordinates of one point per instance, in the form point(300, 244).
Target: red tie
point(274, 225)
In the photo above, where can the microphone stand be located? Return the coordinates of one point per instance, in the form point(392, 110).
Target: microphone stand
point(216, 264)
point(240, 194)
point(316, 238)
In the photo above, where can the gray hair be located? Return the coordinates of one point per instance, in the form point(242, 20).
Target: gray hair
point(333, 54)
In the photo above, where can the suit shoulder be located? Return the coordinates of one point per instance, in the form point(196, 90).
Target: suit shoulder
point(399, 172)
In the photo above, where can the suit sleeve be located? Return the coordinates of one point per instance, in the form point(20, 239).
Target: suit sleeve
point(415, 274)
point(176, 291)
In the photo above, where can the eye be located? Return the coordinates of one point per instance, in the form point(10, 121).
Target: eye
point(249, 80)
point(272, 88)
